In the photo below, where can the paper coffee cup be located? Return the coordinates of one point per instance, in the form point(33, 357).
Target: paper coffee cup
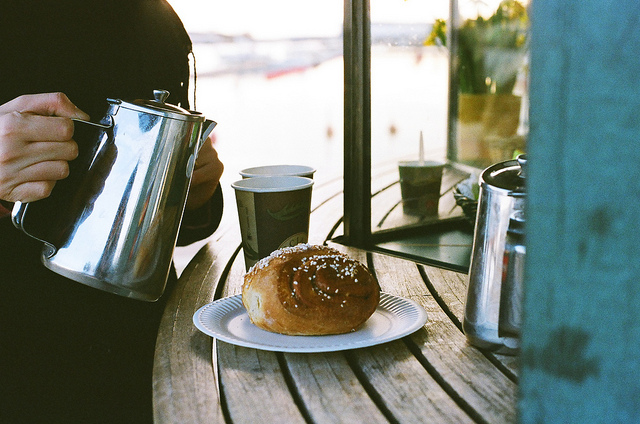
point(278, 170)
point(273, 213)
point(420, 183)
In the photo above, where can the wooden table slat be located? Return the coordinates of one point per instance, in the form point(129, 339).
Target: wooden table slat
point(330, 390)
point(407, 390)
point(452, 288)
point(180, 392)
point(254, 387)
point(479, 384)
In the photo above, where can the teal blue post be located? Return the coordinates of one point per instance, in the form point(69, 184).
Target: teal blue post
point(581, 335)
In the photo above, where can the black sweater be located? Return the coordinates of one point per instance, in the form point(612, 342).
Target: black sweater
point(68, 352)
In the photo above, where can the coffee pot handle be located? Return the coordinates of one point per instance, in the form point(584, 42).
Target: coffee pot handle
point(34, 227)
point(95, 124)
point(17, 214)
point(17, 218)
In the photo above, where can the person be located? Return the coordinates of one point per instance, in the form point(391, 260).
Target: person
point(69, 352)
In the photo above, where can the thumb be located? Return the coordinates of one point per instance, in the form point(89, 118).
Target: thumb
point(48, 104)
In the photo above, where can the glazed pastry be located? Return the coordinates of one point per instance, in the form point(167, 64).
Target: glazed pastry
point(309, 290)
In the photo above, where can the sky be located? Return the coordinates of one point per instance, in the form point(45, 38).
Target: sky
point(285, 18)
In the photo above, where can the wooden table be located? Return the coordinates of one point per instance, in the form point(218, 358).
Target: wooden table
point(431, 376)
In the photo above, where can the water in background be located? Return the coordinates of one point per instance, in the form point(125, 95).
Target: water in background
point(282, 102)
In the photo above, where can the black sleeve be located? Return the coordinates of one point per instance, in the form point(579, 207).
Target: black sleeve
point(201, 223)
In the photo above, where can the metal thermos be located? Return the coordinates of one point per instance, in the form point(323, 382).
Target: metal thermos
point(502, 195)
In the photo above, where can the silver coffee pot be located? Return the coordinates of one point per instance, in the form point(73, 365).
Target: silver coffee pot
point(493, 305)
point(113, 223)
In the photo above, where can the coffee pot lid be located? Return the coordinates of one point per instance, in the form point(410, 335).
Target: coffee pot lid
point(509, 175)
point(157, 106)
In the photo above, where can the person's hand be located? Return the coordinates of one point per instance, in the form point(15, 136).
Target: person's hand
point(206, 176)
point(36, 144)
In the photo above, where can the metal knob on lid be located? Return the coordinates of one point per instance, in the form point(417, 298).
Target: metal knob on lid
point(160, 95)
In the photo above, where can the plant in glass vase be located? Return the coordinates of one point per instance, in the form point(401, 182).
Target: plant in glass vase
point(488, 56)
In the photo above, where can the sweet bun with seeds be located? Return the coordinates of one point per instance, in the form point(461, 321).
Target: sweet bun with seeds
point(309, 290)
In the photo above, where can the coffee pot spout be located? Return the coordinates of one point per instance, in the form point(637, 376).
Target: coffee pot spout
point(208, 126)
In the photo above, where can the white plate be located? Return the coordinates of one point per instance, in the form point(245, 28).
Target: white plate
point(227, 320)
